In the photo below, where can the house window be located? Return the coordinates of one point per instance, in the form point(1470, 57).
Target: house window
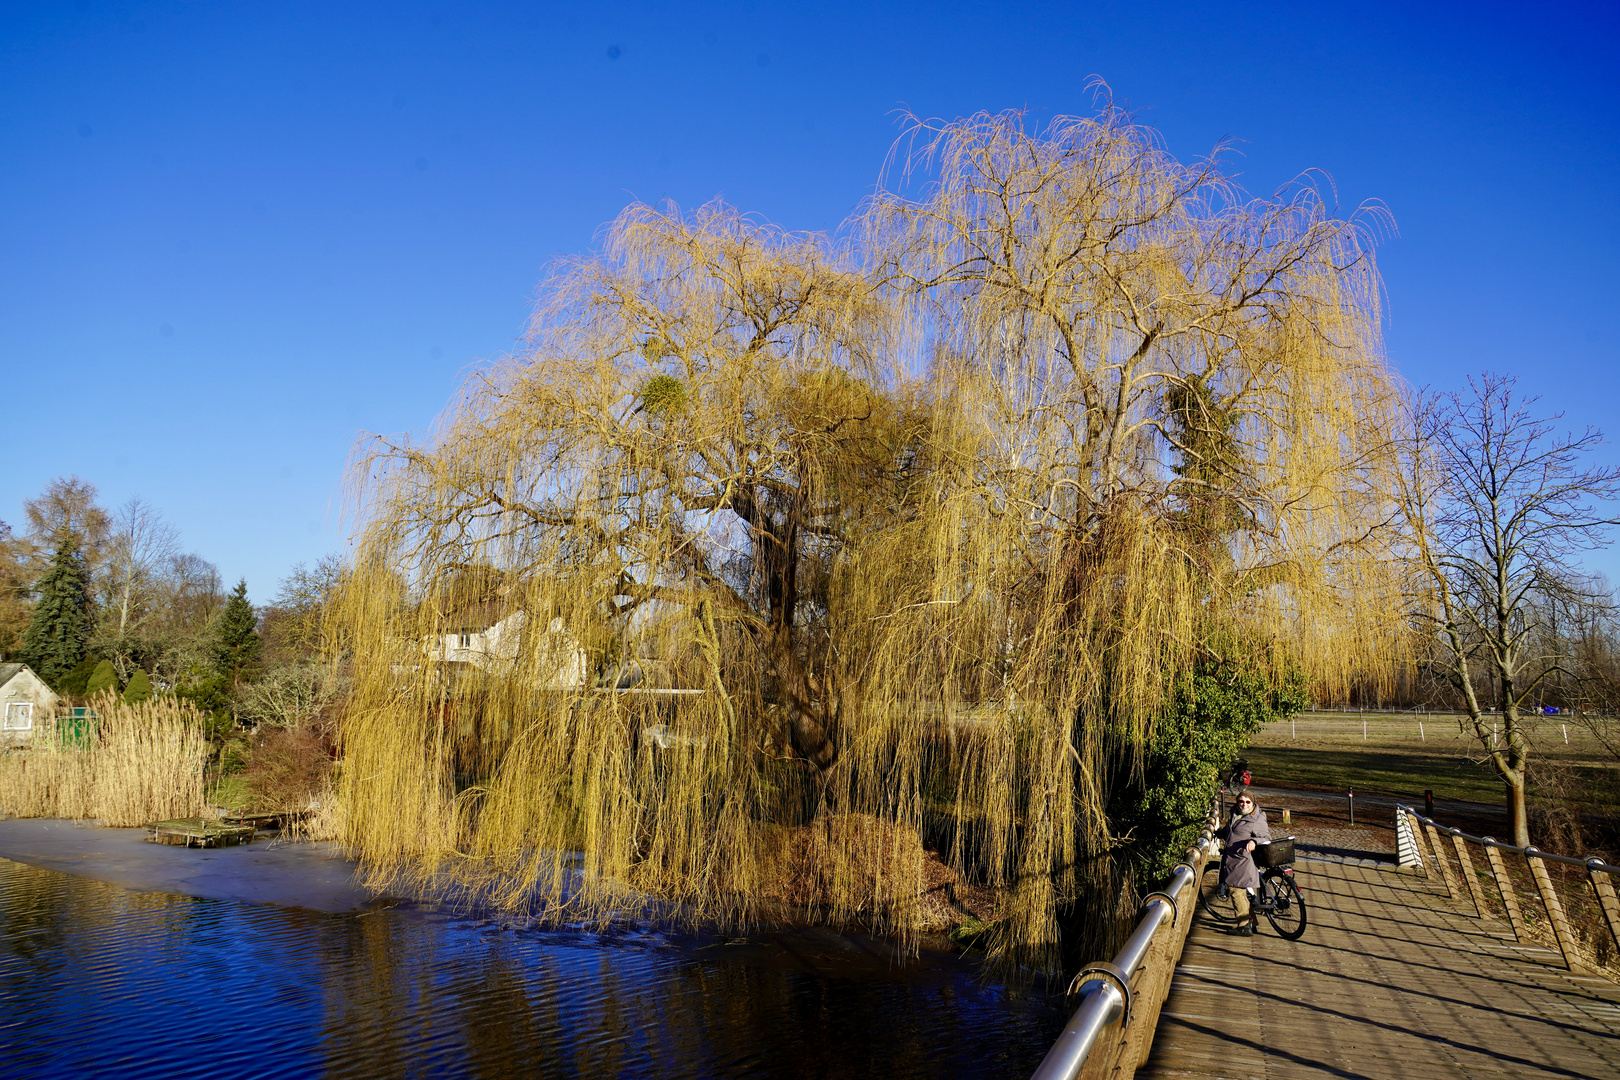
point(19, 715)
point(464, 639)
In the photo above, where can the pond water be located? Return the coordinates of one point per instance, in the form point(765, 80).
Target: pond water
point(99, 980)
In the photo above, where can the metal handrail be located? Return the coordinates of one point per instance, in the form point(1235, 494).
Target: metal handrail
point(1486, 841)
point(1105, 998)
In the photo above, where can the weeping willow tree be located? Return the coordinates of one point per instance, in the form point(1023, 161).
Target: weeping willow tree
point(807, 556)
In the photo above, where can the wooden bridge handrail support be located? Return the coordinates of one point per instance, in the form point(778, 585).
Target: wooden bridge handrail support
point(1510, 897)
point(1599, 875)
point(1420, 837)
point(1110, 1033)
point(1440, 859)
point(1475, 893)
point(1555, 909)
point(1604, 889)
point(1157, 974)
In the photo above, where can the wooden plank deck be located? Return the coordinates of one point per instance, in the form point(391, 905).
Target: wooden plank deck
point(1389, 982)
point(199, 832)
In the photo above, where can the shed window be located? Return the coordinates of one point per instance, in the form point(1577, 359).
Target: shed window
point(464, 639)
point(19, 715)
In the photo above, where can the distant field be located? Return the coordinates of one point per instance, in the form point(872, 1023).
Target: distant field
point(1403, 754)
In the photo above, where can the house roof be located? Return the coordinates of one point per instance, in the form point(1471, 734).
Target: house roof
point(480, 615)
point(7, 671)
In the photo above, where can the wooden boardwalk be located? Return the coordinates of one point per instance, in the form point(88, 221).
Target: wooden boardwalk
point(1390, 982)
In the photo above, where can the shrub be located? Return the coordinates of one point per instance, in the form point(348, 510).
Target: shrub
point(139, 688)
point(103, 678)
point(288, 767)
point(74, 683)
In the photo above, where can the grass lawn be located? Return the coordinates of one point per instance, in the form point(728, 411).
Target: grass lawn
point(1329, 752)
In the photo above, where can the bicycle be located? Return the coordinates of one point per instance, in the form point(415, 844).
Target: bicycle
point(1278, 896)
point(1240, 776)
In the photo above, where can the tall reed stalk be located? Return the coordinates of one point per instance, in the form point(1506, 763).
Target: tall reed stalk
point(143, 763)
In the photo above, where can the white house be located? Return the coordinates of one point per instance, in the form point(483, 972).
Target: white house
point(486, 637)
point(25, 703)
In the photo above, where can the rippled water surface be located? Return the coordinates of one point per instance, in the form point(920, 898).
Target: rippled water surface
point(96, 980)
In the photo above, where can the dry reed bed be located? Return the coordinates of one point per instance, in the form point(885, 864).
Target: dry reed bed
point(143, 763)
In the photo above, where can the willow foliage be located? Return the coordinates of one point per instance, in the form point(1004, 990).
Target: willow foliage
point(823, 551)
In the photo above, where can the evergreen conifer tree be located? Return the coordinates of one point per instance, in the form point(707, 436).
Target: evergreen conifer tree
point(53, 644)
point(103, 678)
point(73, 684)
point(237, 644)
point(139, 688)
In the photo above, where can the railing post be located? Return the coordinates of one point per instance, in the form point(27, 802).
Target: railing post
point(1606, 898)
point(1474, 891)
point(1407, 856)
point(1440, 857)
point(1510, 898)
point(1555, 910)
point(1425, 848)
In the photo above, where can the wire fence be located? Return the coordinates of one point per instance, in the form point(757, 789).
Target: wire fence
point(1420, 726)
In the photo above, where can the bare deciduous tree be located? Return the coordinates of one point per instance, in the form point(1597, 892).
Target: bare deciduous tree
point(1498, 504)
point(14, 589)
point(141, 547)
point(291, 695)
point(296, 621)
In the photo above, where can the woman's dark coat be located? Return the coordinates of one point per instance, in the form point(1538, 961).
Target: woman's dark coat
point(1238, 865)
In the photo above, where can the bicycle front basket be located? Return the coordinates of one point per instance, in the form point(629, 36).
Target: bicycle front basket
point(1276, 853)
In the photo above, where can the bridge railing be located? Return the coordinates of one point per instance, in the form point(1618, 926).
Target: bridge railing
point(1590, 941)
point(1111, 1030)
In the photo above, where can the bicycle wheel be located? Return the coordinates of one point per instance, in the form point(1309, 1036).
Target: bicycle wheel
point(1221, 908)
point(1285, 905)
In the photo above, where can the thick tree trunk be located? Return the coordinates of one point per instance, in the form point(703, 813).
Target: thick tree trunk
point(811, 739)
point(1517, 818)
point(778, 544)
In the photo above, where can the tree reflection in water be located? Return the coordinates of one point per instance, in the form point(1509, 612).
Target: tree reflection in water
point(98, 980)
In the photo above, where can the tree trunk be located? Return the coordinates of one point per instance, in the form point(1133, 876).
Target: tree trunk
point(810, 736)
point(1517, 818)
point(778, 544)
point(1512, 761)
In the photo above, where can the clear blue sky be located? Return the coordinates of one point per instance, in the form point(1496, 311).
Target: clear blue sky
point(235, 236)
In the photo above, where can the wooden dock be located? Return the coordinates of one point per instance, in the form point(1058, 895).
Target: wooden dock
point(272, 820)
point(199, 832)
point(1391, 981)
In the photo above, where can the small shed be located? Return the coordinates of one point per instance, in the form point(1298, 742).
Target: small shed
point(26, 704)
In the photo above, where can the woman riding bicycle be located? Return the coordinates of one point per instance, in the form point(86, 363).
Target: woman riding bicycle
point(1243, 832)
